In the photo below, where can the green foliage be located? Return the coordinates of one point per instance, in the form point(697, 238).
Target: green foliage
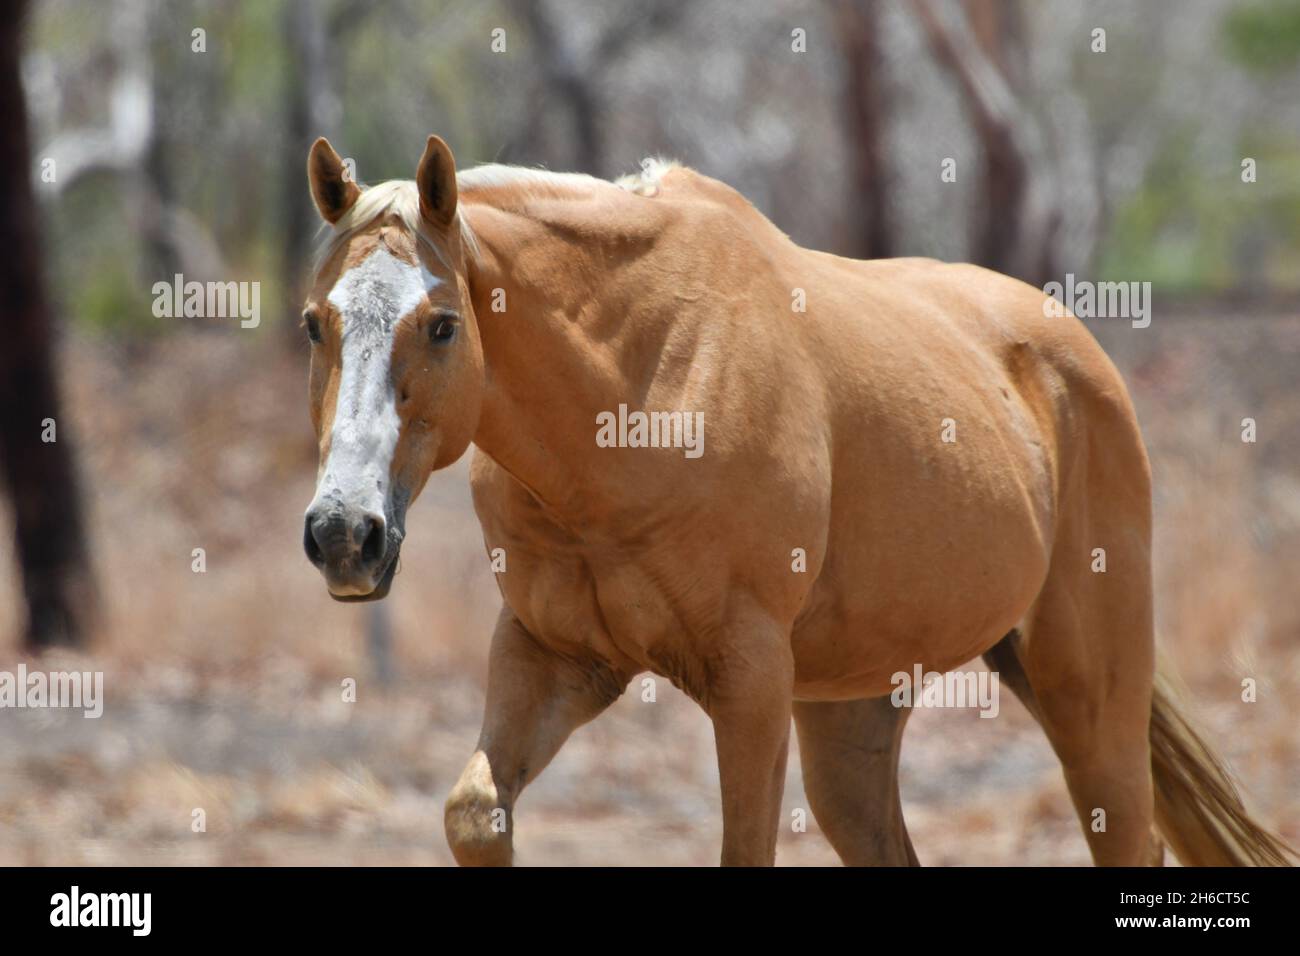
point(108, 291)
point(110, 301)
point(1264, 36)
point(227, 154)
point(1191, 233)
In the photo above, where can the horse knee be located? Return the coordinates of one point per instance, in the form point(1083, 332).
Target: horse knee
point(477, 820)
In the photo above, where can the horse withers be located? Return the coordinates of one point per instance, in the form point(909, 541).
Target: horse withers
point(940, 453)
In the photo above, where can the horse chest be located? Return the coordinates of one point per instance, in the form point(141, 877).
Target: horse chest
point(549, 583)
point(635, 605)
point(619, 616)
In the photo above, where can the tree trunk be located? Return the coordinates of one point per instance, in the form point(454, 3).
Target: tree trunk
point(981, 44)
point(306, 92)
point(38, 475)
point(573, 82)
point(864, 104)
point(997, 230)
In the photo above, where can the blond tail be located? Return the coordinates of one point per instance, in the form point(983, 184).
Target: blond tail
point(1198, 809)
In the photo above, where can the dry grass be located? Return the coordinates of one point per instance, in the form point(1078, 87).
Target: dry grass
point(224, 688)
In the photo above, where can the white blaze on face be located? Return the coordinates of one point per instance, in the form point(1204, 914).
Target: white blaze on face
point(372, 298)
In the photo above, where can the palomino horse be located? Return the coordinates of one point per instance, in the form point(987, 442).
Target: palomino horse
point(906, 463)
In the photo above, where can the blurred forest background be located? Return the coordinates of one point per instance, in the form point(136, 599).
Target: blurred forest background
point(834, 118)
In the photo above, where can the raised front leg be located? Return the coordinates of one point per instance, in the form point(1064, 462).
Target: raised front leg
point(535, 699)
point(750, 688)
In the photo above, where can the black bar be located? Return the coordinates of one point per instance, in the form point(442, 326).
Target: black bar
point(980, 906)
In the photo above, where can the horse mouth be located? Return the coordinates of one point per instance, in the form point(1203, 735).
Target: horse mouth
point(381, 589)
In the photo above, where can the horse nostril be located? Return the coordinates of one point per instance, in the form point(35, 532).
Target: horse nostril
point(309, 544)
point(373, 547)
point(344, 545)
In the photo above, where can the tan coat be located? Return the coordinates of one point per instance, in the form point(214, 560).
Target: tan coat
point(902, 462)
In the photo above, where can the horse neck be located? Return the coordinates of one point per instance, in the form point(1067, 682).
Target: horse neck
point(551, 292)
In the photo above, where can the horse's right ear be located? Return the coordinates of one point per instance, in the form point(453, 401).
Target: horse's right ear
point(331, 187)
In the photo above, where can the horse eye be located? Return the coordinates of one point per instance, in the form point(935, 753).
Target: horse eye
point(443, 330)
point(313, 327)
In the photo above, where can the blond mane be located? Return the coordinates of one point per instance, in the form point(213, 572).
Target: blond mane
point(399, 197)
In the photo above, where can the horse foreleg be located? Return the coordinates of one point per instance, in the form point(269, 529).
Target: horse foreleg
point(849, 753)
point(535, 699)
point(749, 695)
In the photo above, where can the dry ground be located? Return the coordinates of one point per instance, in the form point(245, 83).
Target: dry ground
point(224, 688)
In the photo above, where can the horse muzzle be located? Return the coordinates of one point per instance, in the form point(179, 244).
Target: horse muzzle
point(355, 549)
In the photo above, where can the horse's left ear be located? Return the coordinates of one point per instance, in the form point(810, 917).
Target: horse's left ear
point(436, 179)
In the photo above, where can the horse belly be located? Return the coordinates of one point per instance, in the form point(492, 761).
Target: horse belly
point(854, 639)
point(932, 565)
